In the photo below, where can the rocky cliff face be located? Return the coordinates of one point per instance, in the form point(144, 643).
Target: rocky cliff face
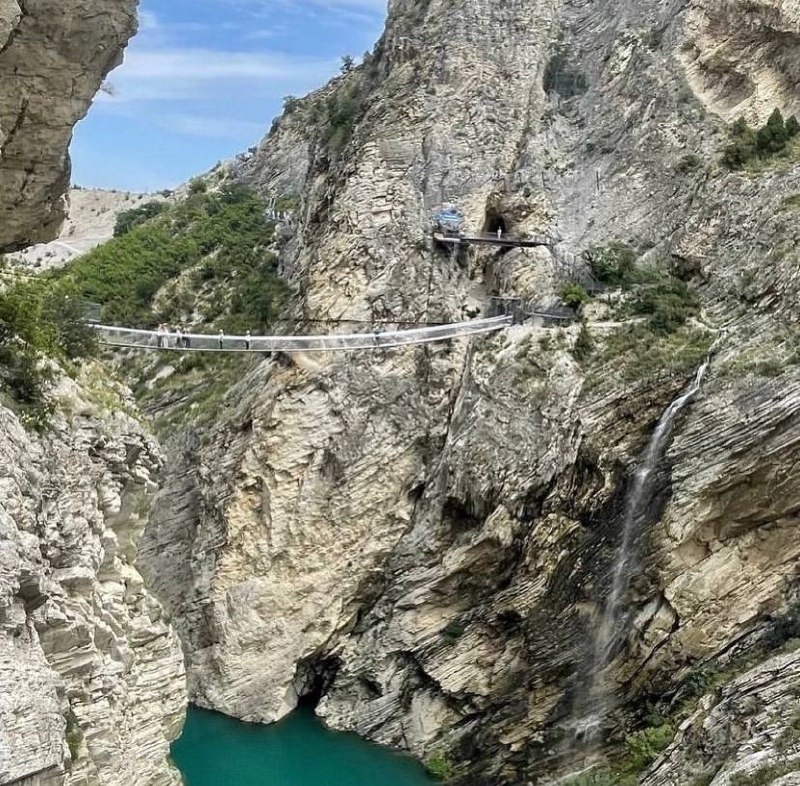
point(92, 686)
point(422, 540)
point(53, 57)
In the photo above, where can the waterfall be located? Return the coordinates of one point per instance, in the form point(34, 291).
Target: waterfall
point(595, 703)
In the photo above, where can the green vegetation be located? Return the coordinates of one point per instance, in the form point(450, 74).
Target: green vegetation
point(39, 320)
point(594, 778)
point(791, 203)
point(454, 630)
point(440, 767)
point(287, 202)
point(73, 734)
point(342, 111)
point(748, 145)
point(584, 344)
point(574, 295)
point(640, 751)
point(613, 264)
point(201, 383)
point(772, 353)
point(638, 354)
point(643, 746)
point(763, 776)
point(128, 219)
point(290, 104)
point(667, 305)
point(217, 242)
point(688, 163)
point(790, 736)
point(656, 345)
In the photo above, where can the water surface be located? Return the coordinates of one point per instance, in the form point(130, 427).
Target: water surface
point(299, 751)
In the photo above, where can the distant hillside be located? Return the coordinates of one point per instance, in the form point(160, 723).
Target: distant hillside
point(91, 215)
point(204, 260)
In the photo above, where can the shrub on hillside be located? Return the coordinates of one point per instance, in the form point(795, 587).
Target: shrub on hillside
point(439, 766)
point(667, 305)
point(574, 295)
point(584, 344)
point(613, 264)
point(748, 144)
point(219, 239)
point(39, 320)
point(128, 219)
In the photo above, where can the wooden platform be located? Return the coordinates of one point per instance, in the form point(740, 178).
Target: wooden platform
point(506, 241)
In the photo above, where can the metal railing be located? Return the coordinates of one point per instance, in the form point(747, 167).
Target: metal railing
point(200, 342)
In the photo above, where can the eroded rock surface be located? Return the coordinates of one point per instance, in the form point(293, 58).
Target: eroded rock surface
point(53, 57)
point(423, 539)
point(92, 686)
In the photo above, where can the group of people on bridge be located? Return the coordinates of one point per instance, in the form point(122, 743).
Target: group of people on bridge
point(183, 339)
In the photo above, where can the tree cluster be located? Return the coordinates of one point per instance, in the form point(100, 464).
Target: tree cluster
point(219, 240)
point(748, 144)
point(39, 320)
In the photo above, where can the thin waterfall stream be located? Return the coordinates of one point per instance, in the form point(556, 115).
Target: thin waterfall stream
point(594, 706)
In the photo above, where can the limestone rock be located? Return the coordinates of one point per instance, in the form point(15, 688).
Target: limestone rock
point(423, 539)
point(92, 683)
point(752, 730)
point(53, 57)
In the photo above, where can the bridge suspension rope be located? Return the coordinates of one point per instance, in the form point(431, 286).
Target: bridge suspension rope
point(202, 342)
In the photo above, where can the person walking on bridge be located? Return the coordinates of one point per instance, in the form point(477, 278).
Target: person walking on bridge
point(179, 337)
point(220, 338)
point(162, 336)
point(247, 341)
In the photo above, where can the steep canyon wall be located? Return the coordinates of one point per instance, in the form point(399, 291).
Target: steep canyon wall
point(92, 685)
point(422, 539)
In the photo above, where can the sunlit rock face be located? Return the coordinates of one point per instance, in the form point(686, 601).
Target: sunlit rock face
point(742, 58)
point(92, 685)
point(423, 539)
point(54, 56)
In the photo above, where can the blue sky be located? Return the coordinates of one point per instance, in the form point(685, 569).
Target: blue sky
point(203, 79)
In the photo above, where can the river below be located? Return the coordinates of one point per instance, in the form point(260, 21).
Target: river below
point(299, 751)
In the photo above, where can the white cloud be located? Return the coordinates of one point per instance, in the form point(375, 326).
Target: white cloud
point(377, 6)
point(184, 73)
point(210, 64)
point(210, 127)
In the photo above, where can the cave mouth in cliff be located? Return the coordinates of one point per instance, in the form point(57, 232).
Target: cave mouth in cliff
point(495, 221)
point(313, 679)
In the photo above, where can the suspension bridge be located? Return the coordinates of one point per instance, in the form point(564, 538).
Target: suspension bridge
point(336, 342)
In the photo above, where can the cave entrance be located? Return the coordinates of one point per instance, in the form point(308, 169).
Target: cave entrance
point(495, 222)
point(313, 680)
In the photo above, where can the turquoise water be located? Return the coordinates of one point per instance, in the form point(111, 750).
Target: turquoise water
point(298, 751)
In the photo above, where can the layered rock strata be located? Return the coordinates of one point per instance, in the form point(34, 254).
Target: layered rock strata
point(92, 686)
point(423, 539)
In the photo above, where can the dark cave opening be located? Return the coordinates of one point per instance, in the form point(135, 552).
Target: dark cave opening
point(313, 680)
point(495, 222)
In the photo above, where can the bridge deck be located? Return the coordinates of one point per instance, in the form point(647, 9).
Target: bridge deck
point(488, 239)
point(200, 342)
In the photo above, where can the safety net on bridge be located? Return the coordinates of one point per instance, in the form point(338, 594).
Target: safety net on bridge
point(194, 342)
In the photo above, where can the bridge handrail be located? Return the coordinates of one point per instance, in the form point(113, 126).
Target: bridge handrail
point(152, 339)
